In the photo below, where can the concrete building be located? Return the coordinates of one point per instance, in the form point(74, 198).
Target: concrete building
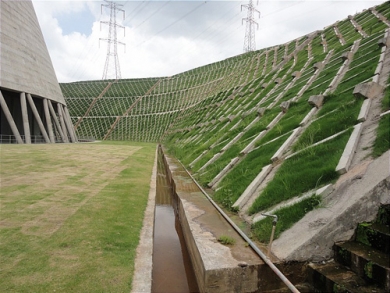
point(33, 109)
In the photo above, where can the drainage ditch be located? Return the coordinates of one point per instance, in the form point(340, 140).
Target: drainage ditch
point(172, 269)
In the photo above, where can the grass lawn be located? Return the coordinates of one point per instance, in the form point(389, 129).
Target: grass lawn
point(71, 214)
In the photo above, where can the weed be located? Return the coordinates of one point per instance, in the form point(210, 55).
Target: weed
point(382, 141)
point(226, 240)
point(287, 216)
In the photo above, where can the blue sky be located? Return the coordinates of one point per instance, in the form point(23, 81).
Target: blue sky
point(80, 21)
point(164, 38)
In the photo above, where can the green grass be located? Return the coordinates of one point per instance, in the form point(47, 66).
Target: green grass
point(237, 180)
point(382, 141)
point(226, 240)
point(303, 172)
point(342, 117)
point(287, 217)
point(71, 215)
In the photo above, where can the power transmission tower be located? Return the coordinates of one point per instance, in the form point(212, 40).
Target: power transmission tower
point(250, 39)
point(111, 67)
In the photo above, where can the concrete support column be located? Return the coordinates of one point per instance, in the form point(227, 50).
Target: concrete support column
point(63, 126)
point(48, 121)
point(54, 117)
point(10, 119)
point(26, 125)
point(38, 118)
point(69, 124)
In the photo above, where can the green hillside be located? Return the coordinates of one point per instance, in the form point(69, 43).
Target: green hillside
point(264, 130)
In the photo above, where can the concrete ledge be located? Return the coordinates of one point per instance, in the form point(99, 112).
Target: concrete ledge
point(250, 146)
point(308, 116)
point(275, 120)
point(364, 110)
point(142, 277)
point(253, 186)
point(349, 150)
point(251, 124)
point(212, 160)
point(278, 155)
point(237, 137)
point(197, 158)
point(221, 174)
point(218, 267)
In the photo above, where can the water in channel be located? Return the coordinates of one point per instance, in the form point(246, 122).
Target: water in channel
point(172, 269)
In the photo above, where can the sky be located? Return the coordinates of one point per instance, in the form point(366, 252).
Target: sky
point(164, 38)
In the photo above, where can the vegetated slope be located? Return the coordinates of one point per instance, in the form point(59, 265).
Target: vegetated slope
point(244, 125)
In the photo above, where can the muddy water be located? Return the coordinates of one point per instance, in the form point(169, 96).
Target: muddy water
point(172, 270)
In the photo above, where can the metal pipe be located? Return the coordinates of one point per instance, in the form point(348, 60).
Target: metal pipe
point(273, 231)
point(246, 238)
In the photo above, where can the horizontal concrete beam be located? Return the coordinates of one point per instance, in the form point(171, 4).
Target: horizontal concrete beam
point(364, 110)
point(308, 116)
point(275, 120)
point(252, 187)
point(251, 145)
point(223, 172)
point(234, 140)
point(349, 150)
point(279, 153)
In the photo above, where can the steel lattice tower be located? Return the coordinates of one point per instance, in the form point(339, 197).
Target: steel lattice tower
point(111, 67)
point(250, 39)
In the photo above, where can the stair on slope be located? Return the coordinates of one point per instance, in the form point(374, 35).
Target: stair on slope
point(361, 265)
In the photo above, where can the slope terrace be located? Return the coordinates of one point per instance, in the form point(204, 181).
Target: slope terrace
point(266, 131)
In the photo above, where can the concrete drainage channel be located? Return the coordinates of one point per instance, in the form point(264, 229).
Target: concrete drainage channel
point(187, 253)
point(172, 269)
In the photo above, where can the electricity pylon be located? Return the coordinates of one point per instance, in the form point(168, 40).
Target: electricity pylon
point(250, 39)
point(111, 67)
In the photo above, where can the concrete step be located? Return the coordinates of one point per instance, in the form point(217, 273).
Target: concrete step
point(375, 235)
point(368, 263)
point(334, 277)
